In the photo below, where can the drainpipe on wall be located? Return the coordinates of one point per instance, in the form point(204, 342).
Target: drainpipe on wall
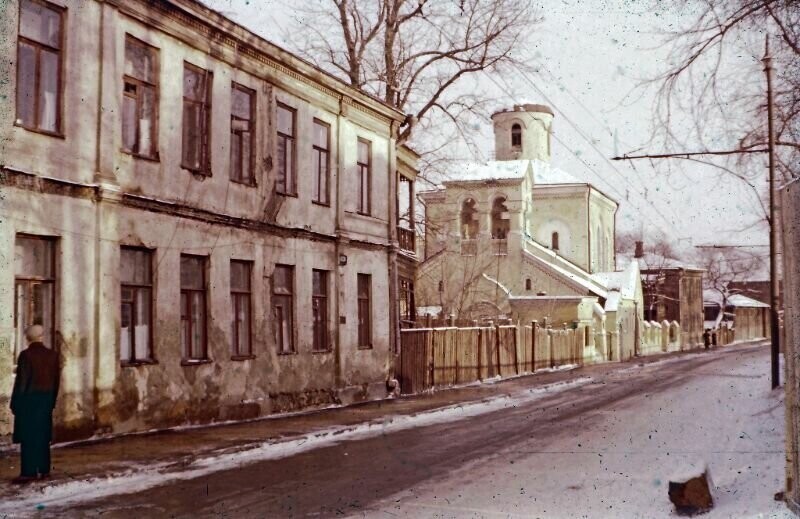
point(337, 279)
point(394, 325)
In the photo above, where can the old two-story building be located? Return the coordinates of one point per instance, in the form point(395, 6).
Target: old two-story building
point(674, 292)
point(207, 226)
point(516, 238)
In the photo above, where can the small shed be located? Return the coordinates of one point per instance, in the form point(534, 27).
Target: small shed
point(750, 317)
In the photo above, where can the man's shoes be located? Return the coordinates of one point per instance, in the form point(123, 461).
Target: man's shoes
point(22, 480)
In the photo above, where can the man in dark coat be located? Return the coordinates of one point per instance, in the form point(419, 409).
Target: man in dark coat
point(32, 402)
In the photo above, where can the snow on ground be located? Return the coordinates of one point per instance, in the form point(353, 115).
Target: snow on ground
point(142, 477)
point(617, 461)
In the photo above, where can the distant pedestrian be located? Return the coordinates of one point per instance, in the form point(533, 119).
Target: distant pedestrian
point(707, 338)
point(32, 402)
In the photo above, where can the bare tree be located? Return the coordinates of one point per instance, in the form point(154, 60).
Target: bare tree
point(712, 94)
point(418, 55)
point(725, 266)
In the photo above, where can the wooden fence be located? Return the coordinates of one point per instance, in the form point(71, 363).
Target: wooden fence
point(440, 357)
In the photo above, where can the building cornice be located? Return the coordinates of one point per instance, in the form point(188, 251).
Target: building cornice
point(96, 193)
point(217, 32)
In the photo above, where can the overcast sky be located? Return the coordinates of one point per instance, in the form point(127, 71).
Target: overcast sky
point(590, 54)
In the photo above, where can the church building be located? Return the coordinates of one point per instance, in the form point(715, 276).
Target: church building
point(516, 238)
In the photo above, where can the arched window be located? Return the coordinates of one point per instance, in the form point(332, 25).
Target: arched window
point(554, 241)
point(528, 284)
point(469, 219)
point(516, 136)
point(500, 222)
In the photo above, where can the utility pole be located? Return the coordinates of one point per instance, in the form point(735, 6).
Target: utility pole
point(773, 222)
point(773, 225)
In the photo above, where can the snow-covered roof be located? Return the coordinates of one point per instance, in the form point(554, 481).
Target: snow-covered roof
point(737, 300)
point(561, 265)
point(623, 281)
point(543, 172)
point(745, 302)
point(491, 170)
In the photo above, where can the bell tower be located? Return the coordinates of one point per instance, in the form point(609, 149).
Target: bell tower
point(523, 133)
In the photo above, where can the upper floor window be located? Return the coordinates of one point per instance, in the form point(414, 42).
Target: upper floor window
point(554, 241)
point(136, 305)
point(286, 182)
point(242, 134)
point(39, 47)
point(469, 219)
point(321, 162)
point(140, 99)
point(364, 166)
point(196, 119)
point(516, 136)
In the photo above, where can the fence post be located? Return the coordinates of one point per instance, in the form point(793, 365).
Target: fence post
point(534, 326)
point(550, 343)
point(497, 347)
point(516, 343)
point(432, 343)
point(480, 347)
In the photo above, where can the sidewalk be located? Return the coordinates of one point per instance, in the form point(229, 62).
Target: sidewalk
point(184, 449)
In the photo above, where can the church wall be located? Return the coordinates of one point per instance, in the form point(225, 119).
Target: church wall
point(602, 224)
point(566, 214)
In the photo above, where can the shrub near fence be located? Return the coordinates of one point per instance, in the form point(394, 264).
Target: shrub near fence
point(440, 357)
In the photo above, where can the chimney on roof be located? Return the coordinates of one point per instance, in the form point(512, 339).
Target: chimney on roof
point(639, 251)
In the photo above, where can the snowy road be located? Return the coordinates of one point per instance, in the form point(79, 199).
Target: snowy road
point(603, 449)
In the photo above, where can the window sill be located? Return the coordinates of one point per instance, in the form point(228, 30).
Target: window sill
point(154, 158)
point(282, 193)
point(57, 135)
point(367, 217)
point(365, 348)
point(196, 172)
point(321, 204)
point(195, 362)
point(242, 357)
point(287, 353)
point(137, 363)
point(329, 350)
point(245, 184)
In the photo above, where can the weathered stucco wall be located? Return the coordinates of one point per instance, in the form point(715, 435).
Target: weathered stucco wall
point(92, 198)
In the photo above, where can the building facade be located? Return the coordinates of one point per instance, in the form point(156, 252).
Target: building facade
point(516, 238)
point(205, 224)
point(676, 294)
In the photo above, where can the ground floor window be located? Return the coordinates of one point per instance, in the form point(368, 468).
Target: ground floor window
point(364, 311)
point(241, 309)
point(34, 288)
point(407, 309)
point(136, 305)
point(319, 305)
point(283, 307)
point(193, 307)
